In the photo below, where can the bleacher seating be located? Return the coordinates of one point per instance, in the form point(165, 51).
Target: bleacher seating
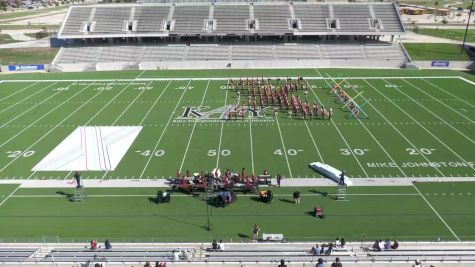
point(231, 19)
point(110, 20)
point(312, 17)
point(15, 254)
point(150, 18)
point(190, 19)
point(390, 18)
point(273, 19)
point(77, 16)
point(352, 18)
point(344, 51)
point(301, 51)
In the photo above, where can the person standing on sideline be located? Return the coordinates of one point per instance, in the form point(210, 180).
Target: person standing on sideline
point(255, 232)
point(279, 177)
point(77, 177)
point(297, 197)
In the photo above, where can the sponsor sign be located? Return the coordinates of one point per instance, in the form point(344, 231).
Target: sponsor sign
point(439, 63)
point(26, 67)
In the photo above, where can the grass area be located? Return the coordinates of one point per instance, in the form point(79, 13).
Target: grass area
point(411, 122)
point(453, 34)
point(27, 55)
point(128, 214)
point(6, 39)
point(429, 51)
point(28, 27)
point(30, 12)
point(39, 35)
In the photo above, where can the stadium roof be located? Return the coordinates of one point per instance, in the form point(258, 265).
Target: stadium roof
point(231, 19)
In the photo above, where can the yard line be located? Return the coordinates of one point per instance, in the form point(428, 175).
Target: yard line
point(251, 143)
point(447, 92)
point(374, 138)
point(154, 103)
point(435, 115)
point(33, 107)
point(194, 126)
point(283, 146)
point(314, 144)
point(397, 130)
point(429, 132)
point(9, 196)
point(19, 91)
point(164, 129)
point(336, 127)
point(436, 213)
point(222, 126)
point(439, 101)
point(130, 104)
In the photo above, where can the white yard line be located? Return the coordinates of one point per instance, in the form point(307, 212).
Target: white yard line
point(374, 138)
point(251, 143)
point(399, 132)
point(429, 132)
point(9, 196)
point(222, 126)
point(447, 106)
point(44, 115)
point(183, 195)
point(19, 91)
point(436, 213)
point(164, 129)
point(193, 130)
point(154, 103)
point(449, 93)
point(338, 130)
point(314, 144)
point(238, 77)
point(435, 115)
point(283, 147)
point(33, 107)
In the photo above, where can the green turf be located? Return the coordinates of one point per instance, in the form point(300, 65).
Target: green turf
point(27, 55)
point(454, 34)
point(27, 27)
point(129, 215)
point(405, 115)
point(430, 51)
point(29, 12)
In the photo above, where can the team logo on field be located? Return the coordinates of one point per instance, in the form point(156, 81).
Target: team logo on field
point(232, 112)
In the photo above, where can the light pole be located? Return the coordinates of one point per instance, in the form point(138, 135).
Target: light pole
point(466, 28)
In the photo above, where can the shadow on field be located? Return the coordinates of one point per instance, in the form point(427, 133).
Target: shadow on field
point(66, 195)
point(285, 200)
point(323, 194)
point(243, 236)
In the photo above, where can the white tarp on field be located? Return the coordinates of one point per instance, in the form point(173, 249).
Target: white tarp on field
point(90, 149)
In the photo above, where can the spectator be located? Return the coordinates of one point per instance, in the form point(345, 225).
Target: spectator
point(221, 245)
point(147, 264)
point(282, 263)
point(176, 255)
point(329, 249)
point(318, 250)
point(320, 263)
point(337, 242)
point(158, 264)
point(94, 244)
point(387, 244)
point(395, 244)
point(313, 251)
point(342, 242)
point(255, 232)
point(381, 245)
point(214, 245)
point(337, 263)
point(417, 263)
point(376, 246)
point(297, 197)
point(107, 244)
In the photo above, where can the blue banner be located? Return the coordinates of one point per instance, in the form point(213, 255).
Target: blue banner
point(439, 63)
point(29, 67)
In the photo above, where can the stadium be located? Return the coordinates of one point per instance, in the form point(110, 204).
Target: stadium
point(237, 133)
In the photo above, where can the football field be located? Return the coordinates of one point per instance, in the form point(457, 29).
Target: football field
point(417, 126)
